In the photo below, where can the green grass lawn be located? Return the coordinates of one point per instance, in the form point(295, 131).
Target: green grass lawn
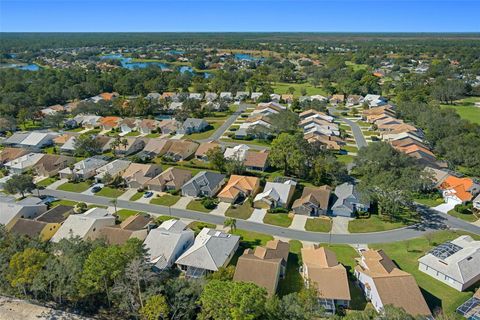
point(124, 214)
point(278, 219)
point(50, 150)
point(197, 226)
point(214, 125)
point(350, 148)
point(466, 109)
point(132, 134)
point(165, 200)
point(74, 187)
point(282, 88)
point(161, 219)
point(406, 253)
point(243, 211)
point(76, 129)
point(466, 217)
point(374, 224)
point(196, 205)
point(251, 239)
point(152, 135)
point(64, 203)
point(46, 182)
point(356, 66)
point(136, 196)
point(429, 202)
point(345, 158)
point(110, 192)
point(293, 281)
point(368, 133)
point(318, 225)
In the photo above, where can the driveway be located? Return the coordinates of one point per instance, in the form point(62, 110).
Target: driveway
point(89, 190)
point(340, 225)
point(182, 203)
point(221, 130)
point(127, 194)
point(221, 208)
point(178, 136)
point(257, 215)
point(56, 184)
point(298, 222)
point(445, 207)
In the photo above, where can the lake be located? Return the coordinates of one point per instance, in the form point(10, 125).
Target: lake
point(246, 56)
point(26, 67)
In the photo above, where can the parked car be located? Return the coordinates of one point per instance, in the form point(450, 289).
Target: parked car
point(148, 194)
point(96, 189)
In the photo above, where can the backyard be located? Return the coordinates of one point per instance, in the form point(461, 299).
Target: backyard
point(293, 281)
point(466, 109)
point(213, 126)
point(283, 88)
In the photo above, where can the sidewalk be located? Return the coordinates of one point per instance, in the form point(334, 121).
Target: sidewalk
point(56, 184)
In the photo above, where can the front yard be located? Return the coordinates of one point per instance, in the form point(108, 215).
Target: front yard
point(213, 126)
point(243, 211)
point(124, 214)
point(76, 187)
point(46, 182)
point(278, 219)
point(167, 200)
point(318, 225)
point(110, 192)
point(136, 196)
point(375, 224)
point(466, 217)
point(196, 205)
point(197, 226)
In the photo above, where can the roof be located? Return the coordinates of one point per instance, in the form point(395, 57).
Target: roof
point(110, 121)
point(460, 186)
point(157, 146)
point(52, 162)
point(329, 276)
point(57, 214)
point(262, 265)
point(136, 170)
point(9, 210)
point(35, 138)
point(344, 192)
point(85, 166)
point(9, 154)
point(204, 147)
point(206, 180)
point(171, 177)
point(194, 123)
point(27, 227)
point(319, 196)
point(256, 159)
point(184, 148)
point(238, 184)
point(119, 234)
point(210, 251)
point(16, 138)
point(113, 168)
point(61, 139)
point(278, 191)
point(149, 123)
point(460, 264)
point(25, 161)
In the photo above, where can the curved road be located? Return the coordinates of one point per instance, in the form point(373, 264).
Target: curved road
point(432, 221)
point(230, 120)
point(357, 132)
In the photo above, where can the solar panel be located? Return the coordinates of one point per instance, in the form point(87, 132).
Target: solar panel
point(445, 250)
point(470, 309)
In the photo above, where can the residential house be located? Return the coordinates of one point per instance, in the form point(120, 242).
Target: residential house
point(10, 154)
point(56, 215)
point(268, 108)
point(137, 174)
point(192, 125)
point(148, 126)
point(203, 148)
point(69, 146)
point(256, 126)
point(104, 143)
point(169, 180)
point(239, 188)
point(50, 164)
point(115, 168)
point(459, 190)
point(153, 96)
point(470, 309)
point(195, 96)
point(476, 202)
point(174, 105)
point(313, 202)
point(135, 226)
point(203, 184)
point(275, 97)
point(383, 283)
point(23, 163)
point(132, 145)
point(181, 150)
point(48, 111)
point(318, 97)
point(211, 250)
point(287, 98)
point(226, 96)
point(374, 100)
point(62, 139)
point(324, 141)
point(34, 229)
point(337, 99)
point(86, 225)
point(315, 114)
point(210, 96)
point(128, 125)
point(38, 140)
point(321, 269)
point(241, 95)
point(275, 194)
point(455, 263)
point(155, 147)
point(169, 126)
point(255, 95)
point(166, 243)
point(263, 266)
point(168, 96)
point(12, 210)
point(238, 152)
point(15, 139)
point(88, 121)
point(354, 100)
point(256, 160)
point(109, 123)
point(348, 200)
point(83, 169)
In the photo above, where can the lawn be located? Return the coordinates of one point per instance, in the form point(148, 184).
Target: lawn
point(293, 281)
point(282, 88)
point(160, 219)
point(466, 109)
point(345, 158)
point(255, 142)
point(110, 192)
point(429, 202)
point(124, 214)
point(132, 134)
point(196, 205)
point(76, 129)
point(167, 200)
point(76, 187)
point(136, 196)
point(46, 182)
point(466, 217)
point(318, 225)
point(213, 126)
point(152, 135)
point(356, 66)
point(197, 226)
point(406, 253)
point(64, 203)
point(375, 224)
point(251, 239)
point(278, 219)
point(350, 148)
point(243, 211)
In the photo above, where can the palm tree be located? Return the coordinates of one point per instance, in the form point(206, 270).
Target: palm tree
point(232, 223)
point(114, 202)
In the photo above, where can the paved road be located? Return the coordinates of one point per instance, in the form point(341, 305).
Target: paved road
point(435, 220)
point(221, 130)
point(357, 132)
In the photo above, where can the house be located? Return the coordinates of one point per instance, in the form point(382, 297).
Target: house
point(153, 96)
point(313, 202)
point(166, 243)
point(458, 190)
point(34, 229)
point(88, 121)
point(114, 168)
point(23, 163)
point(255, 95)
point(168, 95)
point(38, 140)
point(318, 97)
point(470, 309)
point(455, 263)
point(154, 147)
point(86, 225)
point(203, 148)
point(69, 146)
point(50, 164)
point(193, 125)
point(275, 97)
point(56, 215)
point(169, 180)
point(135, 226)
point(263, 266)
point(255, 126)
point(226, 96)
point(109, 123)
point(133, 145)
point(10, 154)
point(137, 174)
point(83, 169)
point(148, 126)
point(128, 125)
point(169, 126)
point(324, 141)
point(476, 202)
point(61, 139)
point(211, 250)
point(321, 268)
point(337, 99)
point(354, 100)
point(12, 210)
point(48, 111)
point(268, 108)
point(383, 283)
point(239, 188)
point(181, 150)
point(256, 160)
point(275, 194)
point(347, 201)
point(287, 98)
point(241, 95)
point(374, 100)
point(203, 184)
point(238, 152)
point(175, 105)
point(210, 96)
point(15, 139)
point(315, 114)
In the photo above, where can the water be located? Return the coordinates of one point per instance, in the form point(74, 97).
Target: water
point(176, 52)
point(163, 117)
point(184, 69)
point(26, 67)
point(246, 56)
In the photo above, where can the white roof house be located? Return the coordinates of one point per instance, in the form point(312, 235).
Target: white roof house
point(238, 152)
point(24, 163)
point(83, 169)
point(455, 263)
point(275, 194)
point(226, 95)
point(476, 202)
point(374, 100)
point(166, 243)
point(318, 97)
point(69, 145)
point(28, 208)
point(38, 139)
point(211, 250)
point(114, 168)
point(86, 225)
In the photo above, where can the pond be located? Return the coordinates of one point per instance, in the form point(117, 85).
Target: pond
point(26, 67)
point(246, 56)
point(163, 117)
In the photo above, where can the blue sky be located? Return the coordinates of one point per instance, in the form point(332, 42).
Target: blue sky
point(233, 15)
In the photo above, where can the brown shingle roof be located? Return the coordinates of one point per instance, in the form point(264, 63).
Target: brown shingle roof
point(319, 196)
point(9, 154)
point(31, 228)
point(256, 159)
point(203, 148)
point(57, 214)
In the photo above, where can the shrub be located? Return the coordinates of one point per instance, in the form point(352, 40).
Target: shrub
point(464, 208)
point(278, 210)
point(209, 203)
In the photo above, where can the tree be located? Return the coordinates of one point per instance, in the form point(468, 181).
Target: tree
point(24, 267)
point(296, 306)
point(54, 120)
point(284, 121)
point(182, 296)
point(230, 222)
point(22, 116)
point(288, 152)
point(155, 308)
point(20, 183)
point(114, 203)
point(216, 159)
point(8, 123)
point(80, 207)
point(291, 90)
point(86, 146)
point(235, 165)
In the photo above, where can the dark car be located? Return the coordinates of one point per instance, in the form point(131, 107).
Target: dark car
point(148, 194)
point(96, 189)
